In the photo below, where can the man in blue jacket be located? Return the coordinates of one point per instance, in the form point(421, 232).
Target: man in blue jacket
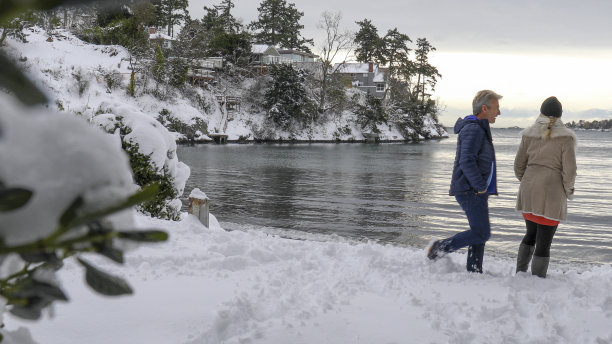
point(474, 179)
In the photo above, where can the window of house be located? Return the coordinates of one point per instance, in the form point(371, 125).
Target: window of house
point(380, 87)
point(352, 75)
point(365, 75)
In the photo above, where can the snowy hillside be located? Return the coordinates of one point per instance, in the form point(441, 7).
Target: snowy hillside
point(76, 76)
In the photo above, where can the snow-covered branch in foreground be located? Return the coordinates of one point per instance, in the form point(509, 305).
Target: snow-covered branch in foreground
point(59, 157)
point(66, 190)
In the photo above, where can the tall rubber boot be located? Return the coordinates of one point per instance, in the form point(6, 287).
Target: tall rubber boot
point(539, 266)
point(524, 257)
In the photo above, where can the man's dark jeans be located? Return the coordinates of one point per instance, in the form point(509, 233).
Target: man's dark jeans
point(476, 208)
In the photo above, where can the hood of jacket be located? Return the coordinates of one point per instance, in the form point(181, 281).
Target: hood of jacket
point(483, 123)
point(540, 127)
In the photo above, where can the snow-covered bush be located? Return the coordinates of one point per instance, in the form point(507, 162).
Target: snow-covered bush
point(152, 153)
point(371, 114)
point(190, 131)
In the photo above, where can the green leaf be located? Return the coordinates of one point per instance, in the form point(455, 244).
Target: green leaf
point(144, 236)
point(42, 257)
point(31, 311)
point(111, 253)
point(70, 214)
point(103, 282)
point(11, 199)
point(14, 80)
point(33, 289)
point(146, 193)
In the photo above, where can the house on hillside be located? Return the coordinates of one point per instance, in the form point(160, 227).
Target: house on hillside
point(263, 56)
point(296, 56)
point(368, 77)
point(156, 37)
point(204, 70)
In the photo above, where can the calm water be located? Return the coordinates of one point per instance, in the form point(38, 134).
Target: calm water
point(392, 193)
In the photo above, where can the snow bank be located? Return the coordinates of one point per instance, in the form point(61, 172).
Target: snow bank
point(59, 157)
point(212, 286)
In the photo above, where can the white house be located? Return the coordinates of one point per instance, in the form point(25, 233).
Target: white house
point(264, 55)
point(368, 77)
point(160, 38)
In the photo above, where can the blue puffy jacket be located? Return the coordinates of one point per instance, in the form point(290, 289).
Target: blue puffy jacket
point(474, 169)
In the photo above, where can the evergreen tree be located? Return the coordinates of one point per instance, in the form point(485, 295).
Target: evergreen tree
point(279, 24)
point(395, 53)
point(287, 100)
point(131, 89)
point(222, 34)
point(426, 73)
point(368, 45)
point(159, 68)
point(370, 115)
point(171, 13)
point(395, 49)
point(219, 18)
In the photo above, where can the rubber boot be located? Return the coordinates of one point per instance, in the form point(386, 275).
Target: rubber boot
point(524, 257)
point(539, 266)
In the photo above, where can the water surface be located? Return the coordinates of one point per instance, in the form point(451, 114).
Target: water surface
point(392, 193)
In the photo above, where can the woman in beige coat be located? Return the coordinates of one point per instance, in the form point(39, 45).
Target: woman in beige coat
point(545, 164)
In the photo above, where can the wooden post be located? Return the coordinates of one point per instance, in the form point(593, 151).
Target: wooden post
point(198, 206)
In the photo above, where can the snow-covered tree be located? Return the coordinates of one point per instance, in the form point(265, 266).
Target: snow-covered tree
point(279, 24)
point(287, 100)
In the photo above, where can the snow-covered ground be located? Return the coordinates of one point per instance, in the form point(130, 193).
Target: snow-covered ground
point(213, 286)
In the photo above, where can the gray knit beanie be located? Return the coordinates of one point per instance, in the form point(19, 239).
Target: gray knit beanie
point(551, 107)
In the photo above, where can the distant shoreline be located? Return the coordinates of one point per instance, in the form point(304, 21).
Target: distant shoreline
point(184, 142)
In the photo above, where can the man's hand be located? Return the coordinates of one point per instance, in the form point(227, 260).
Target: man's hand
point(481, 192)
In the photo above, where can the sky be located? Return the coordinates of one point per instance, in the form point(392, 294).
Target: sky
point(526, 50)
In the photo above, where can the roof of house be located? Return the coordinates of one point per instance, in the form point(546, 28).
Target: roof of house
point(159, 35)
point(359, 68)
point(295, 52)
point(261, 49)
point(352, 68)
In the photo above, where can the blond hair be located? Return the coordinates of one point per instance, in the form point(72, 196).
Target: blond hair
point(551, 122)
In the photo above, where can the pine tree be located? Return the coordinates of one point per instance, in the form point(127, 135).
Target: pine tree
point(223, 35)
point(171, 13)
point(131, 89)
point(395, 53)
point(279, 24)
point(368, 45)
point(287, 99)
point(159, 68)
point(426, 73)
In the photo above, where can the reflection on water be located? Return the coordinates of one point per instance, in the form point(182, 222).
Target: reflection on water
point(396, 193)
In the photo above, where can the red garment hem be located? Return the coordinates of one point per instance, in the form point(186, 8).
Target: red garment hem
point(540, 219)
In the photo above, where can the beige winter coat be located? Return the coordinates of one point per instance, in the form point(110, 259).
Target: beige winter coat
point(546, 168)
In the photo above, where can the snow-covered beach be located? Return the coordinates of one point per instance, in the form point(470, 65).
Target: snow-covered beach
point(213, 286)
